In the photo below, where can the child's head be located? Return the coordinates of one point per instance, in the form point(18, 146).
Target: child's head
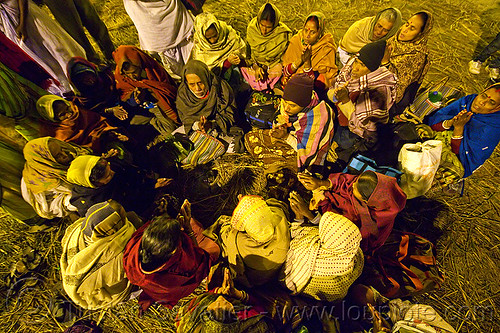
point(364, 186)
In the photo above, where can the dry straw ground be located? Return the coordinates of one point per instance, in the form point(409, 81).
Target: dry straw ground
point(466, 228)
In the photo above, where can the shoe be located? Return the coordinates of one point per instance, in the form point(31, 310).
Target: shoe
point(475, 67)
point(494, 72)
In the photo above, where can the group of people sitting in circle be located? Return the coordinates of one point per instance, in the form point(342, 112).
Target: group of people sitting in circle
point(106, 148)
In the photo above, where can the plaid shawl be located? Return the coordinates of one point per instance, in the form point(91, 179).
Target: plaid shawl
point(372, 94)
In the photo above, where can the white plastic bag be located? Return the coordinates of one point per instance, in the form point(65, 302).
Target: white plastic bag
point(419, 163)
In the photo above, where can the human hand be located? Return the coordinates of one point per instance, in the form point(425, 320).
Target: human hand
point(205, 125)
point(140, 95)
point(306, 55)
point(234, 59)
point(461, 118)
point(342, 94)
point(109, 153)
point(21, 32)
point(227, 287)
point(184, 216)
point(310, 182)
point(162, 182)
point(259, 73)
point(119, 112)
point(120, 136)
point(299, 206)
point(378, 323)
point(279, 131)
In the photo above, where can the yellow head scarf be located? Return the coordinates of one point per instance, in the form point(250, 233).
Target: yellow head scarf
point(45, 108)
point(80, 169)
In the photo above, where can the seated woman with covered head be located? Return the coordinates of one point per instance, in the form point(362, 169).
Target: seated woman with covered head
point(44, 185)
point(407, 56)
point(302, 132)
point(370, 200)
point(268, 39)
point(312, 51)
point(470, 131)
point(218, 45)
point(368, 30)
point(168, 257)
point(95, 179)
point(66, 121)
point(147, 88)
point(323, 261)
point(91, 262)
point(255, 239)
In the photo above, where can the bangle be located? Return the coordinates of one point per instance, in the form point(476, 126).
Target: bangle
point(457, 137)
point(244, 296)
point(308, 69)
point(294, 67)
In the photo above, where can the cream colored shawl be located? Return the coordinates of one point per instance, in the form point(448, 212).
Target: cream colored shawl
point(267, 50)
point(228, 41)
point(324, 251)
point(360, 32)
point(91, 264)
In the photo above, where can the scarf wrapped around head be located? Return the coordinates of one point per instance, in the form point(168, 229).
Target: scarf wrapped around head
point(80, 169)
point(409, 60)
point(228, 41)
point(83, 127)
point(91, 262)
point(254, 216)
point(323, 52)
point(41, 171)
point(327, 251)
point(375, 218)
point(194, 316)
point(157, 80)
point(267, 50)
point(218, 105)
point(481, 132)
point(361, 32)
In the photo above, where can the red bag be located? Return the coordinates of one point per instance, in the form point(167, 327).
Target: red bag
point(404, 266)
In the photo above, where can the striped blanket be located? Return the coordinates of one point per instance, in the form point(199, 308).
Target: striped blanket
point(314, 132)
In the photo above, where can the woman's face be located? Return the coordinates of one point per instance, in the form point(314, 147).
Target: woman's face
point(211, 35)
point(291, 108)
point(311, 32)
point(411, 29)
point(381, 29)
point(196, 86)
point(266, 27)
point(487, 102)
point(108, 175)
point(62, 110)
point(61, 153)
point(359, 69)
point(131, 71)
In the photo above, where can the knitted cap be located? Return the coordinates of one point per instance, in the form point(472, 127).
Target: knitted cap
point(371, 54)
point(299, 89)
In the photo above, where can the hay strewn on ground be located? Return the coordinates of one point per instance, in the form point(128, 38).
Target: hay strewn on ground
point(466, 228)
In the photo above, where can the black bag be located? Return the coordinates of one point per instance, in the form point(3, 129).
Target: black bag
point(261, 109)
